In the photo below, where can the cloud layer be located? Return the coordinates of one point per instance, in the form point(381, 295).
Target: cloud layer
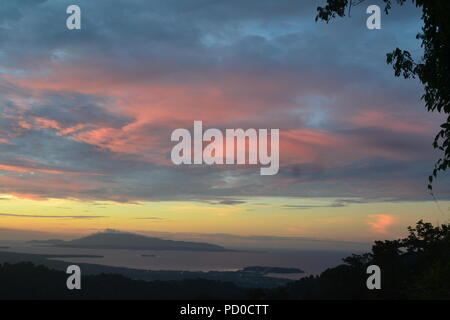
point(88, 114)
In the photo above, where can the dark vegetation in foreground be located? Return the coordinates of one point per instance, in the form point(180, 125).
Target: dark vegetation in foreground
point(241, 278)
point(416, 267)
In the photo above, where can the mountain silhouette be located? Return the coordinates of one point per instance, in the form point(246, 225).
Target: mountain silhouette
point(111, 239)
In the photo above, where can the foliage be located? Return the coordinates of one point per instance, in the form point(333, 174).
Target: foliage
point(415, 267)
point(433, 69)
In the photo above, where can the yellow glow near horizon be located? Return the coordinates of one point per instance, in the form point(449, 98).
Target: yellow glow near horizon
point(325, 218)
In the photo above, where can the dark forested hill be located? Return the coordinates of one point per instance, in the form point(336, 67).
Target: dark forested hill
point(28, 281)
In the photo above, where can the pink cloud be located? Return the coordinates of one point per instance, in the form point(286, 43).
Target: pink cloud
point(384, 120)
point(222, 101)
point(20, 169)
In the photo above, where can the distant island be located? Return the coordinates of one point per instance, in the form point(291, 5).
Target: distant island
point(267, 270)
point(50, 242)
point(62, 256)
point(112, 239)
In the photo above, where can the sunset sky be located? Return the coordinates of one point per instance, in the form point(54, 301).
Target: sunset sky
point(86, 118)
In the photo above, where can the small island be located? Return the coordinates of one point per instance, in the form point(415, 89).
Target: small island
point(267, 270)
point(65, 256)
point(51, 242)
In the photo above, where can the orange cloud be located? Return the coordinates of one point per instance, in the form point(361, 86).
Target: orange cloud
point(380, 223)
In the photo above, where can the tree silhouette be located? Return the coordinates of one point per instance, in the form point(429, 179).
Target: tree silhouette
point(415, 267)
point(433, 69)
